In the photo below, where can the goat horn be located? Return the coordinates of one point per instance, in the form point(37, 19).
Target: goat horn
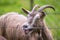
point(26, 11)
point(44, 7)
point(34, 8)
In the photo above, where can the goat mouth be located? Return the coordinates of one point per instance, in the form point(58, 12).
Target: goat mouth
point(32, 29)
point(27, 30)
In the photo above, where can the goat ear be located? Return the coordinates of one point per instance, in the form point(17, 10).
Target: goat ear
point(26, 11)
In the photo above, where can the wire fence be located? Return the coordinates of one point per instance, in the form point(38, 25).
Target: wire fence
point(53, 28)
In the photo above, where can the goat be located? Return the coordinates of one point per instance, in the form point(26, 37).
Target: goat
point(2, 38)
point(36, 19)
point(10, 26)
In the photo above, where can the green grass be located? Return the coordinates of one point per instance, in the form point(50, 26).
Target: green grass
point(52, 18)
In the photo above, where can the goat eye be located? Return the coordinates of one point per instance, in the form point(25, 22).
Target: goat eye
point(25, 26)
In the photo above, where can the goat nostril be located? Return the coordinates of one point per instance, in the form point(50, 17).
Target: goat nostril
point(25, 26)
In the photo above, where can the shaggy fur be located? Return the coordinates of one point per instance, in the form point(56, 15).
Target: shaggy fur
point(2, 38)
point(10, 26)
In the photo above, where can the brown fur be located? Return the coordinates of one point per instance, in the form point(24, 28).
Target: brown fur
point(10, 26)
point(2, 38)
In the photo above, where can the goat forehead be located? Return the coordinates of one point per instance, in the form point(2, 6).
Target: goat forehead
point(37, 15)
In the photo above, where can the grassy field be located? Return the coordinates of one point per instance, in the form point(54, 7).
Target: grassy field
point(52, 18)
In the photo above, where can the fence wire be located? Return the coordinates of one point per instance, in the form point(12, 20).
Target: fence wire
point(53, 28)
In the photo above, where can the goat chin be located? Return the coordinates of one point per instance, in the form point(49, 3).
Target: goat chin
point(10, 25)
point(2, 38)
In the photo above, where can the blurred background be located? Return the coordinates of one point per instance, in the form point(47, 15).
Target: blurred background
point(52, 18)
